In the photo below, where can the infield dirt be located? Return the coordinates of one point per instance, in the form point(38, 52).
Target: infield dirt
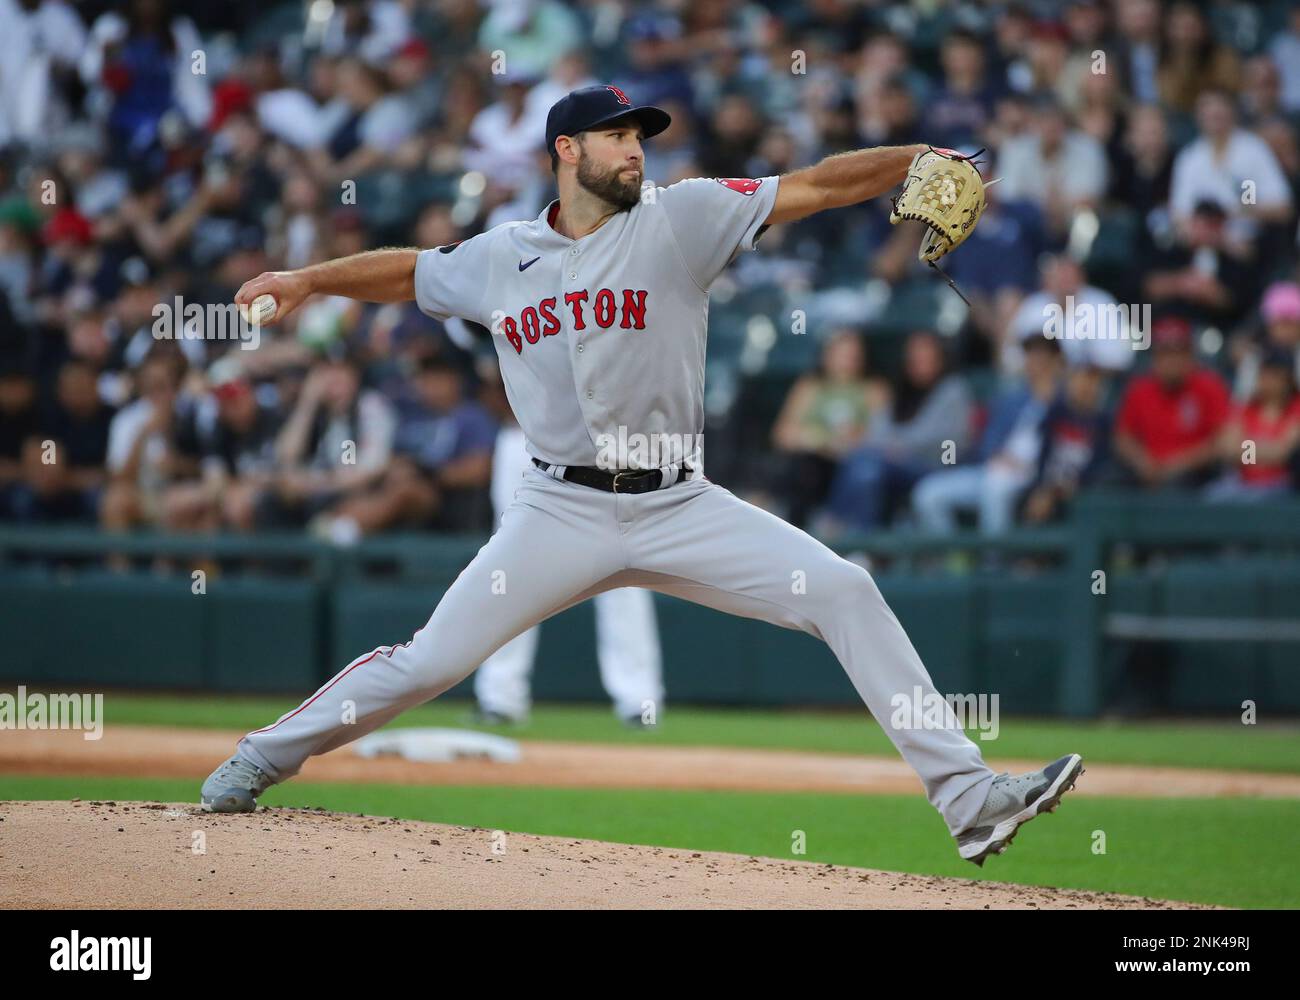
point(103, 855)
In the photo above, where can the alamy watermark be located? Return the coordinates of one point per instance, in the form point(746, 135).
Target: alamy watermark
point(75, 953)
point(1098, 321)
point(920, 710)
point(623, 450)
point(180, 320)
point(53, 711)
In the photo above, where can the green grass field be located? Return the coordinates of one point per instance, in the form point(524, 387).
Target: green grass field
point(1229, 744)
point(1233, 852)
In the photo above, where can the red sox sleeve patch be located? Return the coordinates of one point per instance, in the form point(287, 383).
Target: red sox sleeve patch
point(744, 185)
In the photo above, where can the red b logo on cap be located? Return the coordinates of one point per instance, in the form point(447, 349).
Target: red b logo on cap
point(622, 97)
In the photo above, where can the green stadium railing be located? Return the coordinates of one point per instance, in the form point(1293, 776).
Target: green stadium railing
point(1011, 612)
point(1102, 521)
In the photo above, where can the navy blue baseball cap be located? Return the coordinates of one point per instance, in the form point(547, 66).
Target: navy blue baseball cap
point(591, 106)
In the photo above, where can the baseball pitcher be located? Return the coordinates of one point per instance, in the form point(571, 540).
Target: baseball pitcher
point(599, 308)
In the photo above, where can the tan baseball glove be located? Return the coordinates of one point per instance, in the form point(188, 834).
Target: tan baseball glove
point(944, 190)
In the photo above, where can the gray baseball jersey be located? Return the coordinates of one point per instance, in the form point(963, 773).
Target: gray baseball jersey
point(606, 333)
point(597, 337)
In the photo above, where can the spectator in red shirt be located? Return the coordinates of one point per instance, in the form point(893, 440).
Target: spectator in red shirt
point(1171, 417)
point(1262, 438)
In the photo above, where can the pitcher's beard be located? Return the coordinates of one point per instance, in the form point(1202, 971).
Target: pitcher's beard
point(609, 185)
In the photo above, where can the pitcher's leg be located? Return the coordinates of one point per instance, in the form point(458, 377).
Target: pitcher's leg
point(539, 559)
point(737, 558)
point(502, 686)
point(627, 646)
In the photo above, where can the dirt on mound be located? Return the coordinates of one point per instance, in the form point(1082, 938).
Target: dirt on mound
point(110, 855)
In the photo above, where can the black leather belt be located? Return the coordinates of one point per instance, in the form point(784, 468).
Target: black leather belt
point(627, 481)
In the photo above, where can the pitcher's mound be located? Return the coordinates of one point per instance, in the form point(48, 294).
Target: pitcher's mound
point(151, 855)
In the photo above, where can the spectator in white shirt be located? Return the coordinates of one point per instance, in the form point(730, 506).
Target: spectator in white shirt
point(1108, 340)
point(37, 39)
point(504, 139)
point(1058, 168)
point(304, 117)
point(567, 75)
point(335, 444)
point(142, 454)
point(1231, 166)
point(507, 145)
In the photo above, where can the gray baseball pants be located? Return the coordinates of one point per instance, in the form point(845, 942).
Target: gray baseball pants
point(560, 543)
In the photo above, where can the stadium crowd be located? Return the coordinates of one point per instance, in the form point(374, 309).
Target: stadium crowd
point(1147, 153)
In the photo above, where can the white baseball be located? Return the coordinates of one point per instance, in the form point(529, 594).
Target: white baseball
point(260, 309)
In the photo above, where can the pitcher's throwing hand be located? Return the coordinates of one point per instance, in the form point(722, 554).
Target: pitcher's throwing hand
point(286, 289)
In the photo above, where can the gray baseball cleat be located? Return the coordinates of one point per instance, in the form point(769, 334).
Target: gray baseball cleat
point(1013, 801)
point(234, 787)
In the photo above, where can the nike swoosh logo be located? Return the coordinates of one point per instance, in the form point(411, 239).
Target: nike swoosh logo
point(525, 267)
